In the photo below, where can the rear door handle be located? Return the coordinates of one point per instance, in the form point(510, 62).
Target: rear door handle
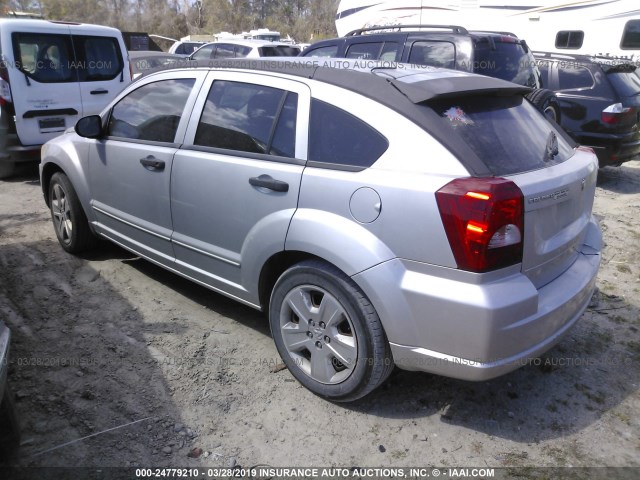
point(102, 91)
point(152, 163)
point(265, 181)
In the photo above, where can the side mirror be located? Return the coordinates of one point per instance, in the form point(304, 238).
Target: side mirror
point(89, 127)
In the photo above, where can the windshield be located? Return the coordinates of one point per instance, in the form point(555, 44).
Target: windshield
point(507, 61)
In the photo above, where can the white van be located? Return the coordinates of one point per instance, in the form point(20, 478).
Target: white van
point(51, 75)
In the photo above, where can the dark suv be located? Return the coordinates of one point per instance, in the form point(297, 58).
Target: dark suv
point(495, 54)
point(600, 102)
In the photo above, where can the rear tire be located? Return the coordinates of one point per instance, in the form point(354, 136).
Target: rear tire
point(328, 333)
point(547, 102)
point(7, 168)
point(69, 221)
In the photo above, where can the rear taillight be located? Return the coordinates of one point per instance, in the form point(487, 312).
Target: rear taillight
point(5, 91)
point(484, 222)
point(617, 113)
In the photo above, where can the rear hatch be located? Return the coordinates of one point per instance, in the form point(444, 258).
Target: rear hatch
point(557, 181)
point(625, 81)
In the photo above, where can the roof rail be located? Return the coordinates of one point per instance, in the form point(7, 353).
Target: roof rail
point(511, 34)
point(360, 31)
point(555, 55)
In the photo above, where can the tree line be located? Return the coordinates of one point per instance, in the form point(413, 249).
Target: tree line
point(303, 20)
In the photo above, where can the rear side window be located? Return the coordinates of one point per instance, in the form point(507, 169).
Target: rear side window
point(279, 51)
point(99, 58)
point(631, 35)
point(337, 137)
point(151, 112)
point(569, 39)
point(572, 77)
point(435, 54)
point(249, 118)
point(328, 51)
point(506, 60)
point(224, 51)
point(45, 58)
point(367, 51)
point(508, 133)
point(204, 53)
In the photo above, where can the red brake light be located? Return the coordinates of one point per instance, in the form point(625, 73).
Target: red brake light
point(616, 113)
point(484, 222)
point(5, 91)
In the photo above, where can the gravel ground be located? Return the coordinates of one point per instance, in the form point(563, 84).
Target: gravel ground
point(157, 371)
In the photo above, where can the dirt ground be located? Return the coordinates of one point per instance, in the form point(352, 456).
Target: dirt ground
point(144, 367)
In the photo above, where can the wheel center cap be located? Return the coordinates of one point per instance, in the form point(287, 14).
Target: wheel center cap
point(318, 332)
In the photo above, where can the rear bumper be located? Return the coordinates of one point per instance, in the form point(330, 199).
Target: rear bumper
point(477, 330)
point(613, 149)
point(11, 150)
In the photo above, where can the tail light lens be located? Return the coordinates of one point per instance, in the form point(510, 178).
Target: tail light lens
point(484, 222)
point(616, 113)
point(5, 91)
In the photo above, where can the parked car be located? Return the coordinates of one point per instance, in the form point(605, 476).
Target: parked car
point(427, 218)
point(9, 428)
point(51, 75)
point(600, 102)
point(243, 48)
point(185, 48)
point(143, 62)
point(496, 54)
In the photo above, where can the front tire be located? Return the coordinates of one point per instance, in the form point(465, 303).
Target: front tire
point(328, 333)
point(70, 222)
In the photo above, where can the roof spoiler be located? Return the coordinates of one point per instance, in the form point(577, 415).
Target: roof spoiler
point(455, 87)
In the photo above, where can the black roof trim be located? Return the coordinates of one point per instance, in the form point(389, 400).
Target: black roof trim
point(385, 86)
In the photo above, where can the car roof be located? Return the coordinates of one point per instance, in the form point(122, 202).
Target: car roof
point(587, 59)
point(39, 23)
point(249, 43)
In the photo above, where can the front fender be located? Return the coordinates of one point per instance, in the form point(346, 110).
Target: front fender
point(66, 154)
point(338, 240)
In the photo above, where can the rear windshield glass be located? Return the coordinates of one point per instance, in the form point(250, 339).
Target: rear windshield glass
point(279, 51)
point(506, 60)
point(627, 84)
point(508, 133)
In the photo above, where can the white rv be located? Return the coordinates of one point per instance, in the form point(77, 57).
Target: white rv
point(593, 27)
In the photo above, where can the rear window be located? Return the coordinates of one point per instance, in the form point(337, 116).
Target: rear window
point(100, 58)
point(46, 58)
point(626, 84)
point(506, 60)
point(508, 133)
point(279, 51)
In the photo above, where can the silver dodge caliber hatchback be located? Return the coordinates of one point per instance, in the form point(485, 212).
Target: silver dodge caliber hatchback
point(380, 215)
